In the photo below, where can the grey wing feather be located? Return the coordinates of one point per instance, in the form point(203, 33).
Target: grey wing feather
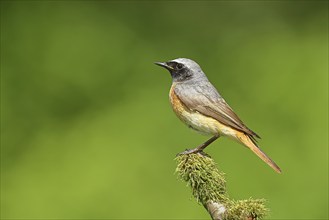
point(204, 98)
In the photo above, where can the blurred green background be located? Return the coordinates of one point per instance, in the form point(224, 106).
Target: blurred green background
point(86, 126)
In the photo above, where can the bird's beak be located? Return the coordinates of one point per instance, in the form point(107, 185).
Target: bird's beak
point(165, 65)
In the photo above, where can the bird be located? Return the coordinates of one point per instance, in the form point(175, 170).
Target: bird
point(198, 104)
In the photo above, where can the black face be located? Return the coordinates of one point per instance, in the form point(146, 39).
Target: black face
point(178, 71)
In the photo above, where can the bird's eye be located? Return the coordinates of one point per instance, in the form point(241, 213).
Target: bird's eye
point(179, 66)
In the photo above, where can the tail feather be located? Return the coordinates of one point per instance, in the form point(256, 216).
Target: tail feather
point(247, 141)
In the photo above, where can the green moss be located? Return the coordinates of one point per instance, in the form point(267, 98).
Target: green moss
point(201, 174)
point(207, 183)
point(246, 209)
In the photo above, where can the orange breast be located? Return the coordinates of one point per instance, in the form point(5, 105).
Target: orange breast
point(178, 107)
point(192, 119)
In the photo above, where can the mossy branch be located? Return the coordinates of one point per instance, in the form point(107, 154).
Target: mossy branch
point(208, 186)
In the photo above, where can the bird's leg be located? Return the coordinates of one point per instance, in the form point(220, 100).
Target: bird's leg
point(201, 147)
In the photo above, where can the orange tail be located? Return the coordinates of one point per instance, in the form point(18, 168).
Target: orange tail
point(245, 140)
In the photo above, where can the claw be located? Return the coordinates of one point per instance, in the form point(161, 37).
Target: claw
point(200, 148)
point(188, 151)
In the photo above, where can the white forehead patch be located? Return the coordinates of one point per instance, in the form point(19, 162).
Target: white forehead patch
point(188, 62)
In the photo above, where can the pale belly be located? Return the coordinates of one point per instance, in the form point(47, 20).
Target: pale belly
point(199, 122)
point(205, 125)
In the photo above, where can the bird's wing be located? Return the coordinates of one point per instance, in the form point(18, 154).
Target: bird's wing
point(204, 98)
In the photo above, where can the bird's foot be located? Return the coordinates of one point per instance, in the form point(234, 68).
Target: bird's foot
point(192, 151)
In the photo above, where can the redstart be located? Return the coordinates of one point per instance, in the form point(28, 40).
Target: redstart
point(198, 104)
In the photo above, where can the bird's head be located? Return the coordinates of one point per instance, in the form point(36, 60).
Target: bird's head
point(182, 69)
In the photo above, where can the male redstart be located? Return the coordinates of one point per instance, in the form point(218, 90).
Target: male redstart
point(198, 104)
